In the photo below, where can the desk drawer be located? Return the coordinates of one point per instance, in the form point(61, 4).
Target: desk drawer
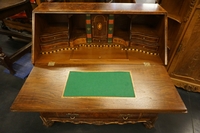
point(54, 46)
point(48, 38)
point(144, 46)
point(150, 39)
point(99, 118)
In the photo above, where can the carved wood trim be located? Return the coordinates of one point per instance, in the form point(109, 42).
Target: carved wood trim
point(186, 85)
point(189, 12)
point(147, 119)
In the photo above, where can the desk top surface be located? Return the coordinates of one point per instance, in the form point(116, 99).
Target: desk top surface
point(154, 91)
point(95, 8)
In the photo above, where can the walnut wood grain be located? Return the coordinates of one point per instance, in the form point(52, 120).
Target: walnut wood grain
point(155, 93)
point(98, 8)
point(91, 55)
point(185, 66)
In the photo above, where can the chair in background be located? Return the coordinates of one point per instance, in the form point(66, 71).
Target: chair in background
point(7, 9)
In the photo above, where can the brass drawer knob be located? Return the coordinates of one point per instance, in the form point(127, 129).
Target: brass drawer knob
point(125, 118)
point(72, 117)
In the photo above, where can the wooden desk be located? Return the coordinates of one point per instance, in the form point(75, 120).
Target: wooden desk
point(43, 89)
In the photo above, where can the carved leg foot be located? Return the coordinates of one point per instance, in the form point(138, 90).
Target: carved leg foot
point(5, 61)
point(150, 124)
point(46, 122)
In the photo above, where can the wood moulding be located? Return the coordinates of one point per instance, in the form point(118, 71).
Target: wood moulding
point(147, 119)
point(186, 85)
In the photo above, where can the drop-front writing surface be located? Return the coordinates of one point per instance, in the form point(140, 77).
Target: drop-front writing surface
point(154, 94)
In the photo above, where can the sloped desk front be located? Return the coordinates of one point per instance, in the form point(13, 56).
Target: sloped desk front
point(154, 91)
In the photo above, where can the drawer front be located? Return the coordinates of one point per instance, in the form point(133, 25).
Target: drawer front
point(99, 118)
point(99, 40)
point(145, 38)
point(54, 46)
point(46, 38)
point(144, 46)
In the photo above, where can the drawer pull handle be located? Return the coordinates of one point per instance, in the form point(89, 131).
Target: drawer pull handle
point(125, 118)
point(72, 117)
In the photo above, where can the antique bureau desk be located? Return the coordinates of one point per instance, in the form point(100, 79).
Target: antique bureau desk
point(99, 37)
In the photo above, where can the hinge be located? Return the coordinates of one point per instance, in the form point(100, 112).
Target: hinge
point(147, 64)
point(51, 63)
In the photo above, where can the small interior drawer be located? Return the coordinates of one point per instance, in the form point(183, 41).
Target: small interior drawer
point(146, 38)
point(46, 38)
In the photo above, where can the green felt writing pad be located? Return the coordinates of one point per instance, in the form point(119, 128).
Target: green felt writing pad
point(103, 84)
